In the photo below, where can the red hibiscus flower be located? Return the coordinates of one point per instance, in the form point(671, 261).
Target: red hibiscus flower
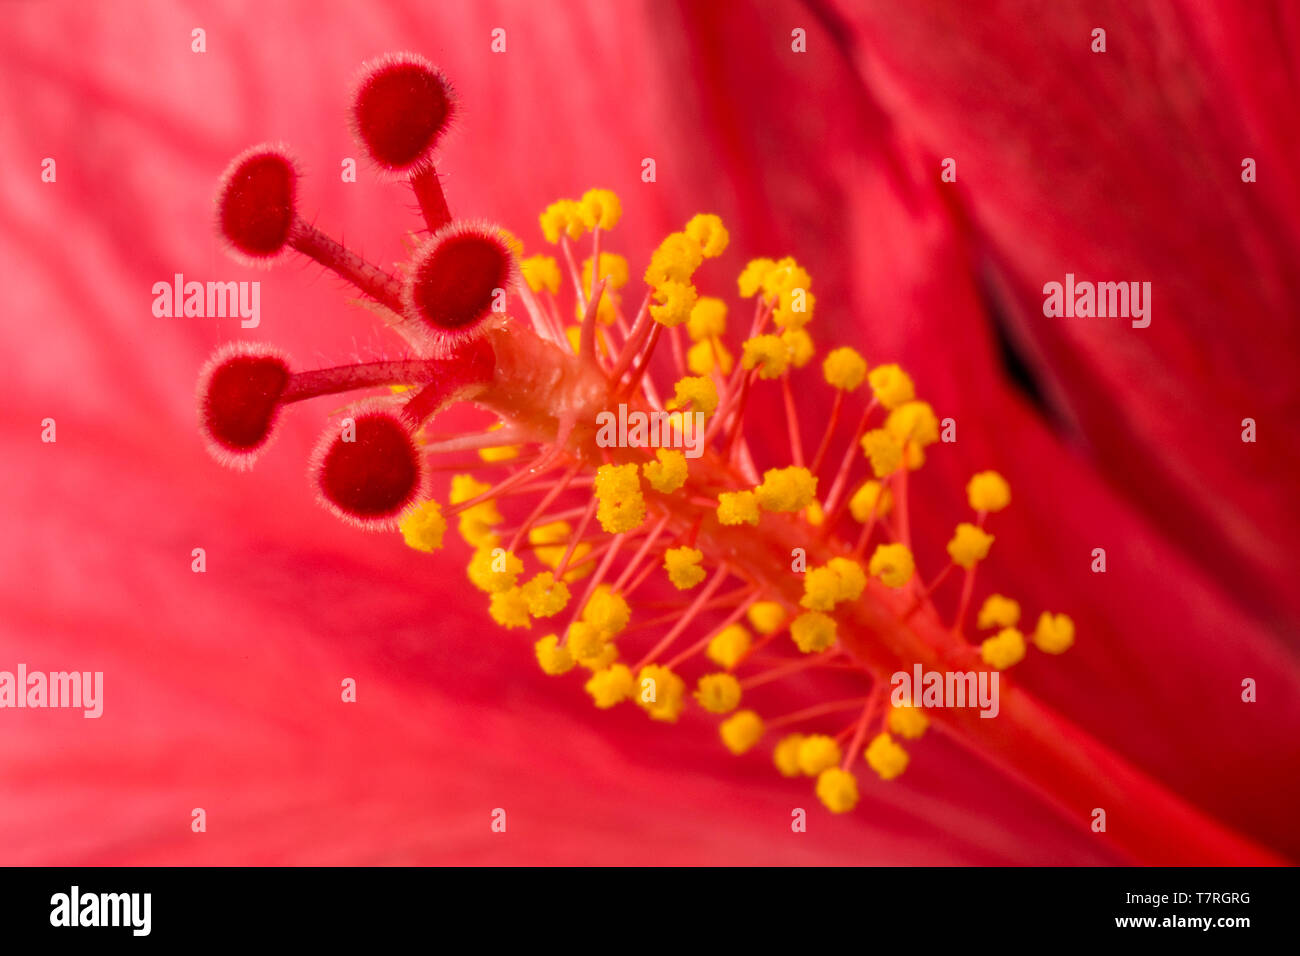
point(222, 688)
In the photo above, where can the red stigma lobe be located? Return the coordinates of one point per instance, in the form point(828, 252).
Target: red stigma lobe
point(402, 107)
point(256, 202)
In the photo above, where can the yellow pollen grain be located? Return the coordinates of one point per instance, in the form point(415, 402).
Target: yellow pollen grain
point(988, 491)
point(786, 489)
point(423, 526)
point(683, 567)
point(718, 693)
point(708, 319)
point(883, 451)
point(509, 608)
point(908, 721)
point(1054, 633)
point(660, 693)
point(891, 386)
point(998, 611)
point(886, 757)
point(552, 658)
point(541, 272)
point(545, 596)
point(668, 472)
point(870, 496)
point(817, 752)
point(1004, 649)
point(892, 564)
point(844, 368)
point(813, 631)
point(741, 731)
point(712, 236)
point(837, 790)
point(969, 545)
point(767, 353)
point(729, 646)
point(766, 617)
point(610, 686)
point(738, 507)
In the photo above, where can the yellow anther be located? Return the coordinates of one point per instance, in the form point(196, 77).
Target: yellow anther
point(546, 596)
point(423, 526)
point(766, 617)
point(476, 522)
point(509, 608)
point(969, 544)
point(786, 754)
point(668, 472)
point(883, 451)
point(815, 514)
point(738, 507)
point(718, 693)
point(683, 567)
point(607, 611)
point(798, 347)
point(607, 656)
point(794, 310)
point(818, 752)
point(612, 267)
point(501, 452)
point(729, 646)
point(541, 272)
point(786, 489)
point(703, 357)
point(549, 543)
point(998, 611)
point(785, 276)
point(708, 319)
point(886, 757)
point(552, 658)
point(600, 207)
point(710, 233)
point(893, 564)
point(870, 496)
point(494, 569)
point(676, 260)
point(1004, 649)
point(586, 642)
point(767, 353)
point(845, 368)
point(610, 686)
point(908, 721)
point(988, 491)
point(813, 631)
point(1054, 633)
point(820, 586)
point(696, 391)
point(913, 422)
point(837, 789)
point(850, 579)
point(891, 386)
point(660, 693)
point(621, 505)
point(674, 303)
point(741, 731)
point(751, 280)
point(562, 216)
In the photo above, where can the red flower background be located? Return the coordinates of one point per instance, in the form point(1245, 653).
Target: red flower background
point(222, 689)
